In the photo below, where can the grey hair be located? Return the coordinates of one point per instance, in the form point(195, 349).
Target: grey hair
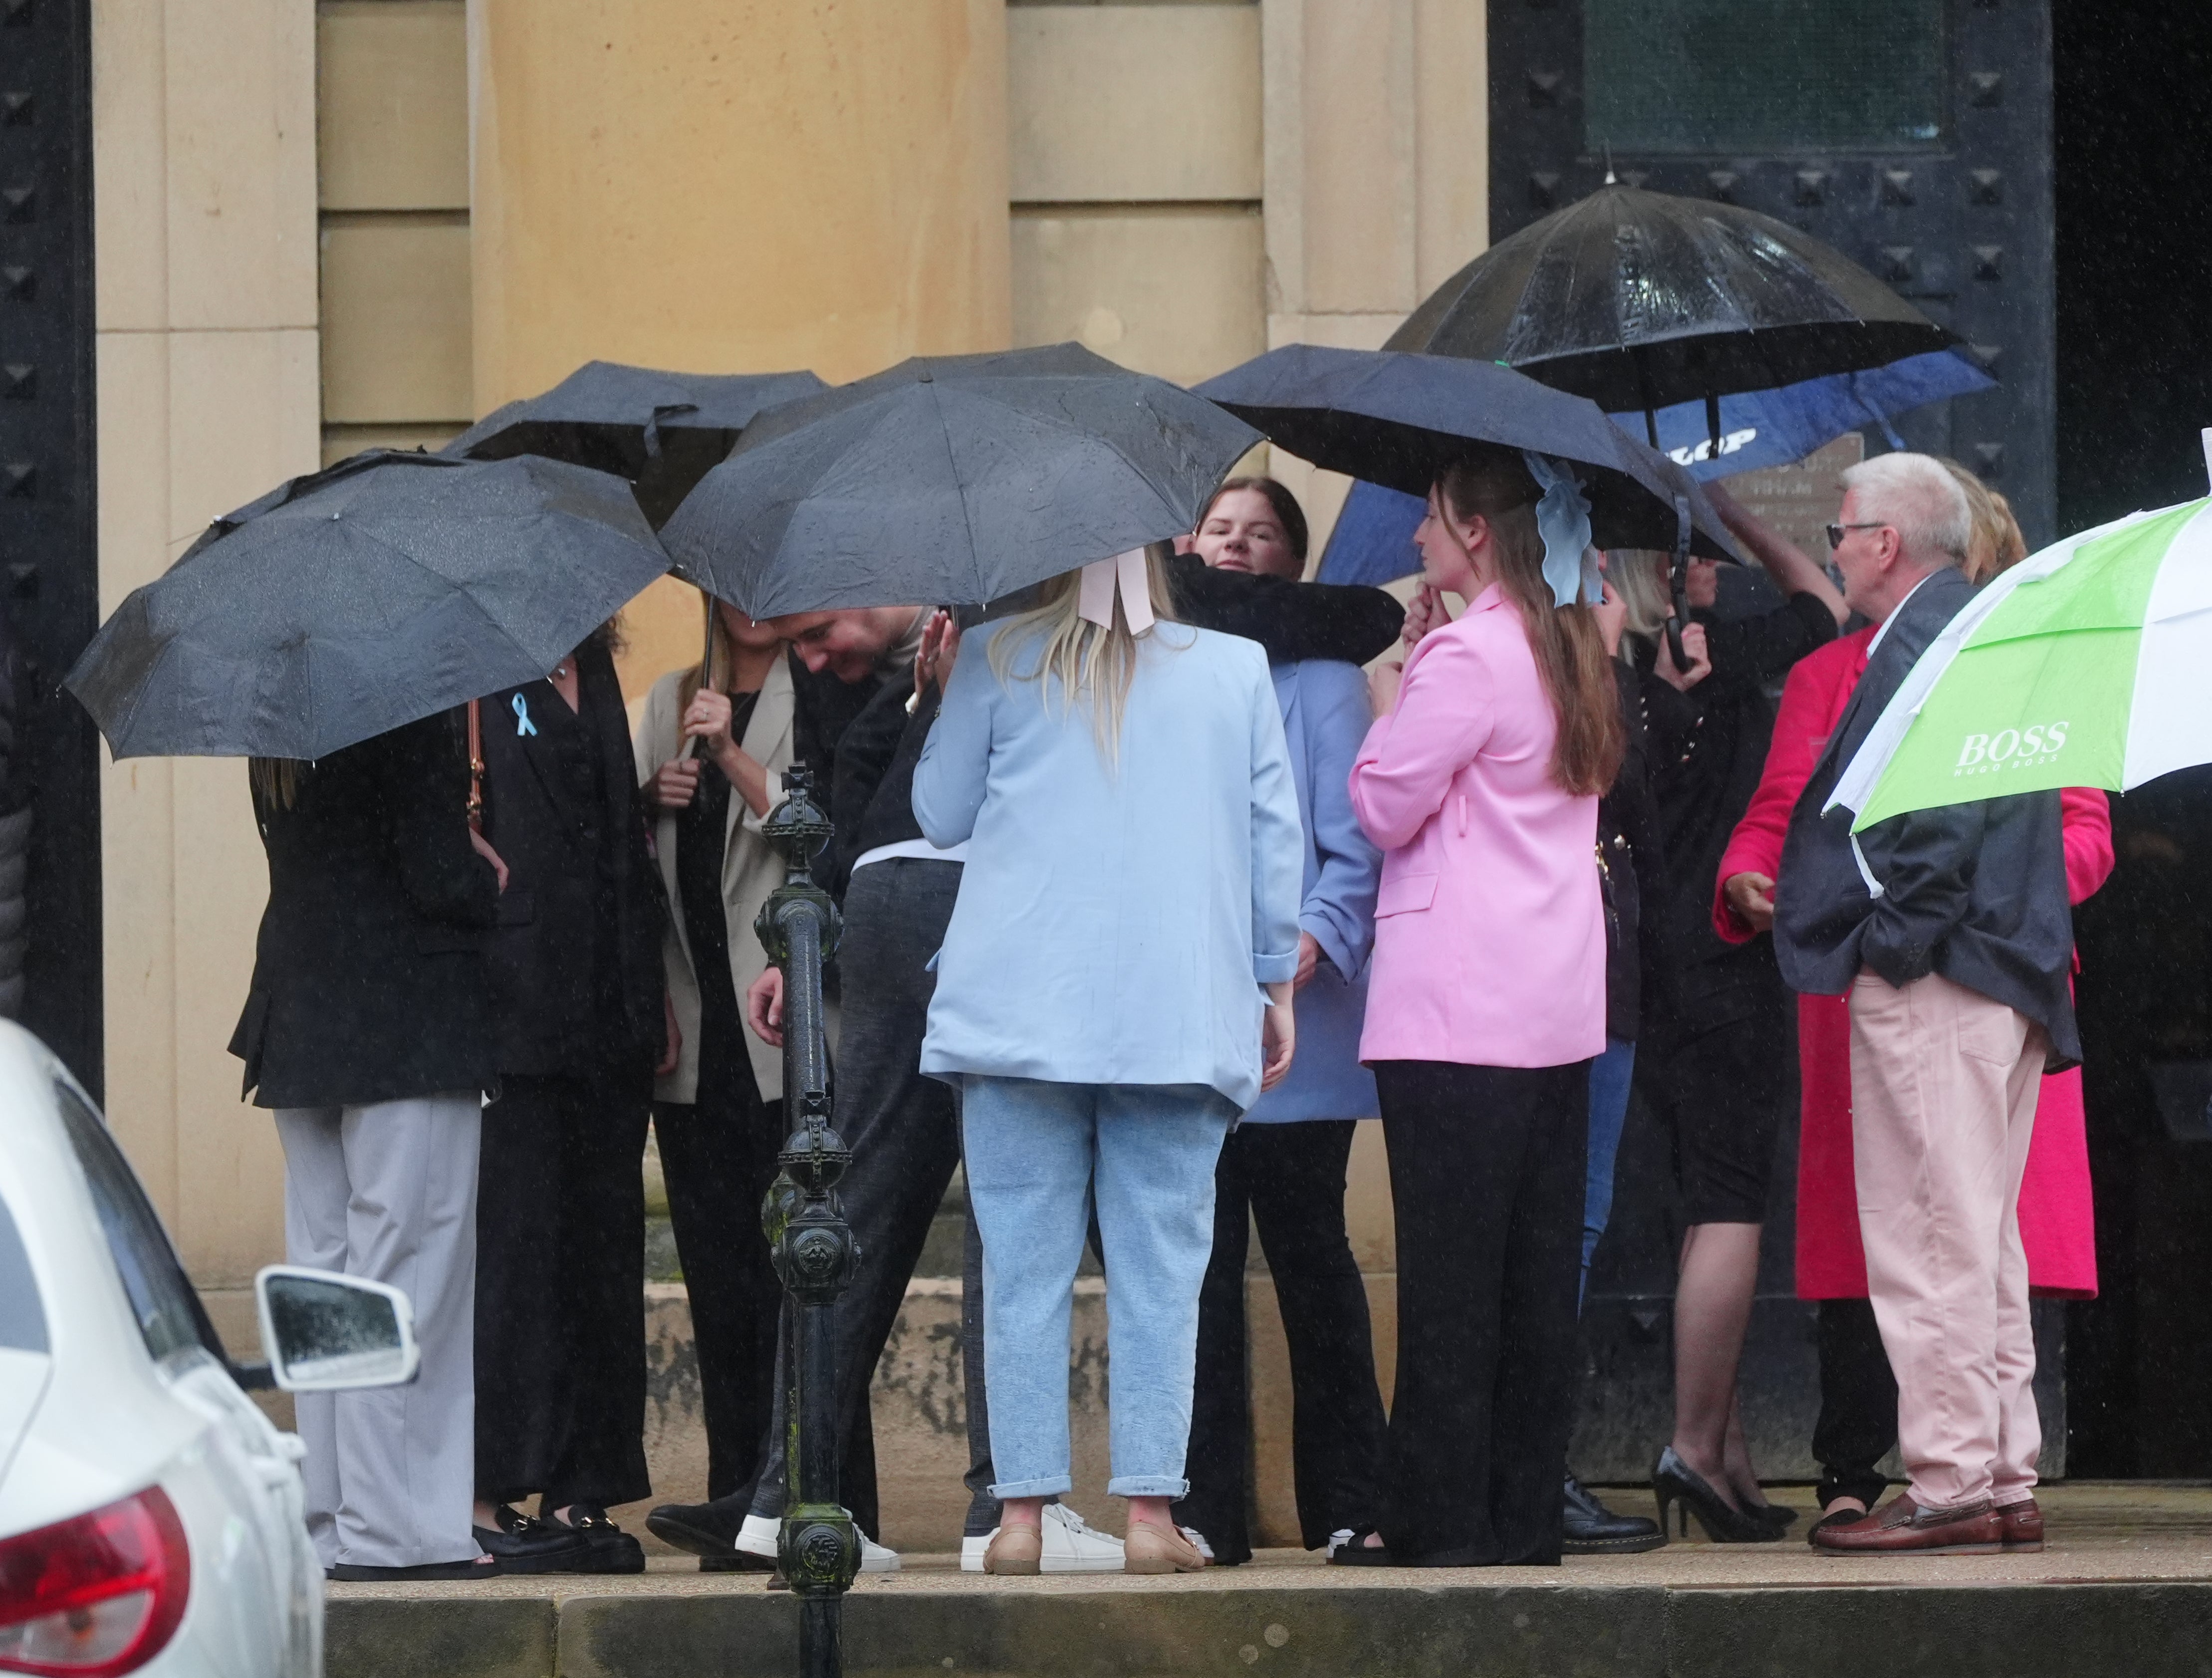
point(1918, 498)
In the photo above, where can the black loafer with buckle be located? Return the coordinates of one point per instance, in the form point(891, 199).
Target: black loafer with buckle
point(607, 1548)
point(524, 1544)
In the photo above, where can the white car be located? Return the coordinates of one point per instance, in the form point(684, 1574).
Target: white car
point(152, 1519)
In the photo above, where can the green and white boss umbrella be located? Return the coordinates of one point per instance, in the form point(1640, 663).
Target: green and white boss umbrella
point(2087, 664)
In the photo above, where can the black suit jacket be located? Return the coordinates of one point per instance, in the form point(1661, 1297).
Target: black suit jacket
point(1976, 893)
point(369, 977)
point(558, 1012)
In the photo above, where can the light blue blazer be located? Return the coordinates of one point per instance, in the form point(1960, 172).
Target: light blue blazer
point(1325, 719)
point(1115, 922)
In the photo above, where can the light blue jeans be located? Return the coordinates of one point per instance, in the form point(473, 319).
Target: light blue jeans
point(1610, 1076)
point(1037, 1155)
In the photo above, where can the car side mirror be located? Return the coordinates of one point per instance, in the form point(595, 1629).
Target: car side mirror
point(323, 1333)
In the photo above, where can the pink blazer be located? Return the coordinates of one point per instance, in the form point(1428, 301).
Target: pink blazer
point(1489, 930)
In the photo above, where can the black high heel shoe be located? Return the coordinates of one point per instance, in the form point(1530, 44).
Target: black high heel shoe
point(1674, 1482)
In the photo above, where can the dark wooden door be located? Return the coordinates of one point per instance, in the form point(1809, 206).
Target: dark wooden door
point(1915, 136)
point(49, 564)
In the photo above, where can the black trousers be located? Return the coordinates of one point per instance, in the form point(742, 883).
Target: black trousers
point(1858, 1403)
point(718, 1156)
point(904, 1132)
point(1486, 1170)
point(560, 1317)
point(1290, 1178)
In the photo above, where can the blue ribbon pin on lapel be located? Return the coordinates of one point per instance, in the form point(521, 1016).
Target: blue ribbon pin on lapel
point(523, 725)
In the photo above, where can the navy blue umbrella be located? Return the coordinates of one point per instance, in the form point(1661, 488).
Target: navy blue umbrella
point(1395, 419)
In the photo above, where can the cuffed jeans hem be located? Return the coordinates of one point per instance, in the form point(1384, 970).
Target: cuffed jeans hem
point(1147, 1486)
point(1054, 1486)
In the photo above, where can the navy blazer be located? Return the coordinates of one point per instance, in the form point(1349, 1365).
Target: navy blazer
point(1976, 893)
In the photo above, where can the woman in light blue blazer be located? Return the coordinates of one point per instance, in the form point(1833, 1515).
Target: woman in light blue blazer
point(1114, 990)
point(1285, 1166)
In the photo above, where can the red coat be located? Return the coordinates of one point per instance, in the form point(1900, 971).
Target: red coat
point(2057, 1222)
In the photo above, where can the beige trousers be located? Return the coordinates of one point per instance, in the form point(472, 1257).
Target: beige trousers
point(1944, 1082)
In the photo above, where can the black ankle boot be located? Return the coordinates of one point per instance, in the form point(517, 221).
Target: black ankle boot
point(1592, 1530)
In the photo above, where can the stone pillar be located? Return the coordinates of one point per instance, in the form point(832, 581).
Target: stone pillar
point(204, 163)
point(729, 188)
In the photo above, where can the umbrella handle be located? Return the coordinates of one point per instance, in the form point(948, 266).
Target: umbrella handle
point(475, 767)
point(1677, 582)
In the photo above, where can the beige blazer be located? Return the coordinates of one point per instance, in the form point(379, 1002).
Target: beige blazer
point(750, 870)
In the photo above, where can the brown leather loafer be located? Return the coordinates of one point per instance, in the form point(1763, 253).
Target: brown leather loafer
point(2022, 1524)
point(1902, 1527)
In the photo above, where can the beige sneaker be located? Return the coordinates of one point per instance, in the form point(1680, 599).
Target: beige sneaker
point(1015, 1550)
point(1155, 1549)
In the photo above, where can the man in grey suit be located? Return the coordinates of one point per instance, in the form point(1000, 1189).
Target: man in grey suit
point(1950, 932)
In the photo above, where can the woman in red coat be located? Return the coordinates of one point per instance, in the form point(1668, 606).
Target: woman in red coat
point(1858, 1395)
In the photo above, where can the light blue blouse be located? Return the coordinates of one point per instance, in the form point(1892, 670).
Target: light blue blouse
point(1115, 921)
point(1325, 719)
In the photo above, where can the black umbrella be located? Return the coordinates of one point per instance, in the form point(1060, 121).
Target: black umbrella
point(387, 588)
point(1394, 419)
point(664, 430)
point(958, 478)
point(1642, 299)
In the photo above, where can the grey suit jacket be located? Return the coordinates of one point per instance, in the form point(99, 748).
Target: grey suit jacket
point(1974, 891)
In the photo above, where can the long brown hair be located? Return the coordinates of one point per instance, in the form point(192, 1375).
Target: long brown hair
point(1569, 649)
point(721, 659)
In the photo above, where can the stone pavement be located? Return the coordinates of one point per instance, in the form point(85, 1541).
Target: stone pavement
point(2124, 1587)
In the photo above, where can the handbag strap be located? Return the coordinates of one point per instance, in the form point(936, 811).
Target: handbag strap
point(476, 766)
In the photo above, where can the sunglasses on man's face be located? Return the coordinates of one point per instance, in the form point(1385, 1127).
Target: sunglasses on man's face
point(1836, 533)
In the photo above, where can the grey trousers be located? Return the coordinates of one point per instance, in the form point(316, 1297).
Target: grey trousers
point(388, 1191)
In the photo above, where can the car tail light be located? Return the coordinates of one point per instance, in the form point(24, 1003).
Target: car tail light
point(97, 1595)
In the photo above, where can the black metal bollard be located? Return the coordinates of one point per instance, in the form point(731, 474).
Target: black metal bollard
point(819, 1548)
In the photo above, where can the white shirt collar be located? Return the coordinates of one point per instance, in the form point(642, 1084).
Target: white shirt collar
point(1892, 618)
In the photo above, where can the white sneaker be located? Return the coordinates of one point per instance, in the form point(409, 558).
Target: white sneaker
point(1070, 1546)
point(758, 1536)
point(1197, 1541)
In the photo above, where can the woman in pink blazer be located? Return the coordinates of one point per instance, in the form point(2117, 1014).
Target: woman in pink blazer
point(1479, 780)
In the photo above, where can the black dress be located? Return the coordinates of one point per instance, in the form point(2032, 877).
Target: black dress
point(580, 994)
point(1718, 1045)
point(717, 1155)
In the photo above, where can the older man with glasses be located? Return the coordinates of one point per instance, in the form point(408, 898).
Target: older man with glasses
point(1950, 932)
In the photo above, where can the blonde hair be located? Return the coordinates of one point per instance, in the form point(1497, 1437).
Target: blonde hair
point(1634, 574)
point(1076, 653)
point(1994, 542)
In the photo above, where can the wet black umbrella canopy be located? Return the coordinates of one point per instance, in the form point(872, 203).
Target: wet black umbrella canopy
point(663, 430)
point(344, 604)
point(951, 479)
point(1396, 419)
point(1642, 299)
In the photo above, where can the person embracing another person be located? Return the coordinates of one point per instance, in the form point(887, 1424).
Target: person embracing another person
point(1479, 780)
point(1113, 991)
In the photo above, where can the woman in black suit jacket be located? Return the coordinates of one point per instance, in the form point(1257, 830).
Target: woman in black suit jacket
point(369, 1028)
point(580, 1013)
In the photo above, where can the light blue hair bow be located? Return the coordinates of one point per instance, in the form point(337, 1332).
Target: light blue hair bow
point(1563, 517)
